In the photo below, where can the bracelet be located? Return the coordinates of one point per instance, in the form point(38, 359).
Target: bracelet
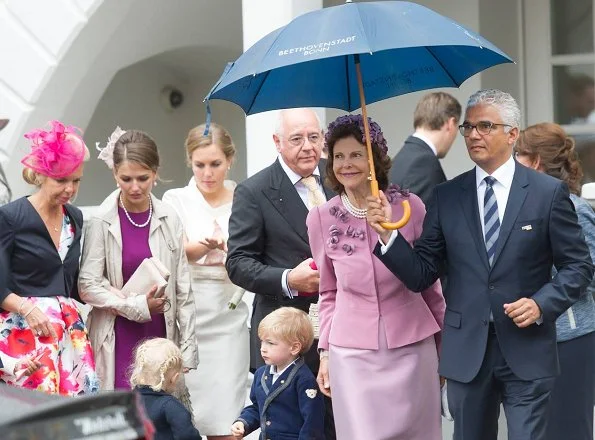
point(323, 354)
point(20, 308)
point(30, 310)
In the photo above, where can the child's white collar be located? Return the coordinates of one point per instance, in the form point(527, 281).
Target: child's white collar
point(275, 374)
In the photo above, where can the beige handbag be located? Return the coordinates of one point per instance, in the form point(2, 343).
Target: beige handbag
point(149, 273)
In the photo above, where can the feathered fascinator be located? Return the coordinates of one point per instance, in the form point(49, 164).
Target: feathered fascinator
point(106, 153)
point(376, 135)
point(55, 153)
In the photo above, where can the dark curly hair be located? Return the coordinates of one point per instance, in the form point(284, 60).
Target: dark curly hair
point(555, 150)
point(351, 128)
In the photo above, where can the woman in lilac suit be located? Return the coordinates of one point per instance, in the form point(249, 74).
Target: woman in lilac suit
point(379, 341)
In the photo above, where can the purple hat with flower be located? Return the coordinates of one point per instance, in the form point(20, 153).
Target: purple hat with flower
point(376, 135)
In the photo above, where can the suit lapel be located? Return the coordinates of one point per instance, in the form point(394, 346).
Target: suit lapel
point(471, 211)
point(266, 381)
point(282, 382)
point(516, 198)
point(287, 201)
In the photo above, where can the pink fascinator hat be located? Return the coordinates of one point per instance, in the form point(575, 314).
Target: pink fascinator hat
point(55, 153)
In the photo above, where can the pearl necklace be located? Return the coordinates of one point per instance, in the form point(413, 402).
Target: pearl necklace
point(356, 212)
point(130, 219)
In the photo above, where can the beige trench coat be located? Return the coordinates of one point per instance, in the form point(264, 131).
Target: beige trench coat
point(101, 269)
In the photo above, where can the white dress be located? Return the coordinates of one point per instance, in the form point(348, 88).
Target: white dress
point(218, 387)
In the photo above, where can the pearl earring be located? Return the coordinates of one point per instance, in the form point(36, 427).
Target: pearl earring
point(154, 183)
point(228, 168)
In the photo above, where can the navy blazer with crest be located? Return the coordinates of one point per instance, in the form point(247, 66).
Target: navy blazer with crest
point(290, 408)
point(33, 264)
point(539, 229)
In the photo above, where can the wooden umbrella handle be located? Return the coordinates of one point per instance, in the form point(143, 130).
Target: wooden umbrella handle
point(391, 226)
point(373, 182)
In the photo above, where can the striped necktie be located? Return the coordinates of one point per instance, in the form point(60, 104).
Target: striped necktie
point(490, 218)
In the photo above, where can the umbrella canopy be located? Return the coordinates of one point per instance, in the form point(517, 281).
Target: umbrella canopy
point(402, 47)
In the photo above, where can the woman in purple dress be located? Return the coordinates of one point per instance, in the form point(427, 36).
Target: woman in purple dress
point(130, 226)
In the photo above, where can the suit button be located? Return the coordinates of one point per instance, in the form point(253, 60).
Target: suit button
point(491, 287)
point(484, 322)
point(268, 423)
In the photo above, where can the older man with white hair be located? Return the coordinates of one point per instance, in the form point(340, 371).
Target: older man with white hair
point(268, 250)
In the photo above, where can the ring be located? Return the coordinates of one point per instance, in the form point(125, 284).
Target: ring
point(38, 332)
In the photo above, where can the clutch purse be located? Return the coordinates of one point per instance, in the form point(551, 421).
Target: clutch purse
point(149, 273)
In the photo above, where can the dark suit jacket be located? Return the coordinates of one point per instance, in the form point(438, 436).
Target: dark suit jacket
point(539, 230)
point(416, 167)
point(290, 408)
point(267, 235)
point(171, 419)
point(34, 265)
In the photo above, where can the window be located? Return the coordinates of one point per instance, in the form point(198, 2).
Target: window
point(560, 60)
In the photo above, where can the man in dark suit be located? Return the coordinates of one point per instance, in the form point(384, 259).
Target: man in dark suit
point(499, 229)
point(268, 249)
point(417, 166)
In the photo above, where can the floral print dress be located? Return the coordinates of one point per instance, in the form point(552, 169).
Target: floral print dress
point(68, 366)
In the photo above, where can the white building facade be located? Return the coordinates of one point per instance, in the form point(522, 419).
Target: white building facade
point(96, 64)
point(101, 63)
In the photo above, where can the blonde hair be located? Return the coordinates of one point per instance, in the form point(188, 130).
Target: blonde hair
point(290, 325)
point(155, 361)
point(217, 135)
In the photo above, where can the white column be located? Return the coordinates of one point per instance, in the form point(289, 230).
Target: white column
point(260, 17)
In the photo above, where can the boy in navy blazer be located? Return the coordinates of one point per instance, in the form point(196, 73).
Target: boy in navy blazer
point(285, 399)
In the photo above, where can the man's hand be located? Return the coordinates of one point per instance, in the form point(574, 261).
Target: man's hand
point(379, 211)
point(303, 278)
point(237, 430)
point(523, 312)
point(323, 380)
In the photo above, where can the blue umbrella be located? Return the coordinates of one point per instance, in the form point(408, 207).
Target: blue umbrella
point(344, 56)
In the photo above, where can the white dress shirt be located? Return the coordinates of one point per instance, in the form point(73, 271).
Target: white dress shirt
point(503, 175)
point(303, 193)
point(275, 374)
point(427, 141)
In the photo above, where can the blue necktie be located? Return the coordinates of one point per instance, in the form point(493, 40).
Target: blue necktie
point(490, 218)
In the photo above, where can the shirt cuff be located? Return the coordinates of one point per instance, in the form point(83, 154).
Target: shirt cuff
point(385, 247)
point(287, 291)
point(539, 321)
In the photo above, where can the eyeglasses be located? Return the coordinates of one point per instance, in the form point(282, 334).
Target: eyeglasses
point(483, 128)
point(298, 141)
